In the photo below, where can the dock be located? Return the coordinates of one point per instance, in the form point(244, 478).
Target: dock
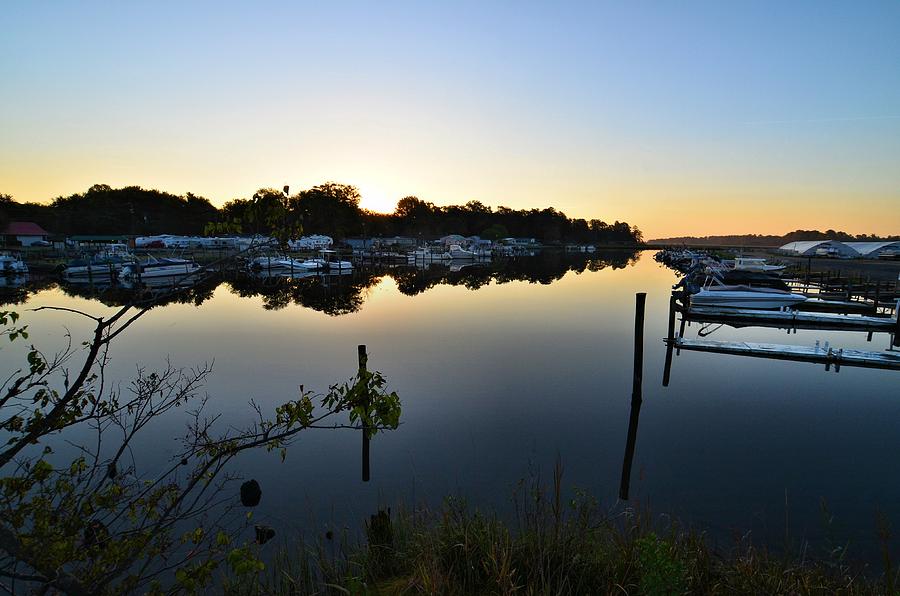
point(819, 355)
point(789, 319)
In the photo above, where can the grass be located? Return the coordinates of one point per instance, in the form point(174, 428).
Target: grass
point(552, 548)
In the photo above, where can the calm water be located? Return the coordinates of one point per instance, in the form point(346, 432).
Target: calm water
point(499, 373)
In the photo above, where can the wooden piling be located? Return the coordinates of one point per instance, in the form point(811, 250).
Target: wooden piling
point(667, 369)
point(636, 390)
point(638, 376)
point(633, 418)
point(363, 359)
point(896, 341)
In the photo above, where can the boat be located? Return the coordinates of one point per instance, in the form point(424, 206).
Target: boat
point(427, 255)
point(153, 267)
point(754, 264)
point(283, 263)
point(743, 277)
point(12, 265)
point(329, 258)
point(459, 253)
point(107, 264)
point(745, 297)
point(738, 277)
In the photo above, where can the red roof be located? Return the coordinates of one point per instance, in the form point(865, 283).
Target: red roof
point(24, 228)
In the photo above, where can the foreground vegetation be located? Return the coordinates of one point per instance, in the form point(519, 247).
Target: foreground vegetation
point(551, 548)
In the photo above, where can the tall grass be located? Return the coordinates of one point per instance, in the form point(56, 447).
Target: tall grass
point(552, 548)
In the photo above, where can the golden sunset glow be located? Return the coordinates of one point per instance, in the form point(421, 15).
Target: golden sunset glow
point(375, 200)
point(601, 111)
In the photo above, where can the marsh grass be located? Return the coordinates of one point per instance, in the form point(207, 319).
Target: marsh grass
point(552, 547)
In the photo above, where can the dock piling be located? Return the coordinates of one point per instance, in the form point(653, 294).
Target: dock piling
point(896, 341)
point(667, 369)
point(638, 377)
point(636, 398)
point(363, 359)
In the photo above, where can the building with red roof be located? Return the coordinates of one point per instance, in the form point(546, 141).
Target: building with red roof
point(24, 233)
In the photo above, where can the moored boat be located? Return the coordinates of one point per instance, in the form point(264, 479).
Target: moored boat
point(427, 255)
point(12, 265)
point(288, 264)
point(755, 264)
point(153, 267)
point(333, 262)
point(745, 297)
point(459, 253)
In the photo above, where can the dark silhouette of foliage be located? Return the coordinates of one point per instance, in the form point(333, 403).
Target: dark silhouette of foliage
point(330, 208)
point(770, 240)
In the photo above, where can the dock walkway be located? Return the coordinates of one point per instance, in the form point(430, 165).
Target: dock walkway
point(816, 354)
point(790, 319)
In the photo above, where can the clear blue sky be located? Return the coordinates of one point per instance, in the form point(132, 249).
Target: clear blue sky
point(680, 117)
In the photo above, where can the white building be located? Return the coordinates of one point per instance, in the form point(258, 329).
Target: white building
point(818, 248)
point(876, 250)
point(24, 233)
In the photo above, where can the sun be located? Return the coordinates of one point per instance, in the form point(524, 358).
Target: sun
point(375, 200)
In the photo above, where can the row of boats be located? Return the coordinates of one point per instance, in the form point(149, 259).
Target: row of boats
point(118, 262)
point(453, 253)
point(327, 261)
point(742, 282)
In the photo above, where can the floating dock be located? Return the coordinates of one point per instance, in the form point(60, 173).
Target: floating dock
point(885, 360)
point(743, 317)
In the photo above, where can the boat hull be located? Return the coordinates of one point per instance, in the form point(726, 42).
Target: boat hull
point(746, 299)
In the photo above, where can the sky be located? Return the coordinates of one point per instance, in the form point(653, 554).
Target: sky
point(679, 117)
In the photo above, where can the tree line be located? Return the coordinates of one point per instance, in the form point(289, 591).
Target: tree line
point(772, 240)
point(331, 208)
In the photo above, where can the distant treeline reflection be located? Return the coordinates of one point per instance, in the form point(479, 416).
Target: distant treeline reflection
point(337, 295)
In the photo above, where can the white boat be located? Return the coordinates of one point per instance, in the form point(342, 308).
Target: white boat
point(427, 255)
point(459, 253)
point(104, 265)
point(754, 264)
point(12, 265)
point(745, 297)
point(153, 267)
point(282, 263)
point(329, 258)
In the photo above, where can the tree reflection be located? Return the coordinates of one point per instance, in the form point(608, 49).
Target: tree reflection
point(333, 295)
point(337, 295)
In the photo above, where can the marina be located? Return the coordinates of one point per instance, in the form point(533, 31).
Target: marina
point(306, 298)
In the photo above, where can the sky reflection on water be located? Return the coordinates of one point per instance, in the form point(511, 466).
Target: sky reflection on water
point(498, 381)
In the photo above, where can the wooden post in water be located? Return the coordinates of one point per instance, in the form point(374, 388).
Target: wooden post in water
point(897, 323)
point(363, 359)
point(667, 369)
point(636, 390)
point(638, 377)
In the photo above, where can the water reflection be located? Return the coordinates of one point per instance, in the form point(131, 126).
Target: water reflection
point(152, 292)
point(334, 294)
point(500, 381)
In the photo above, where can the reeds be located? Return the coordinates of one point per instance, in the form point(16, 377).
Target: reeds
point(551, 548)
